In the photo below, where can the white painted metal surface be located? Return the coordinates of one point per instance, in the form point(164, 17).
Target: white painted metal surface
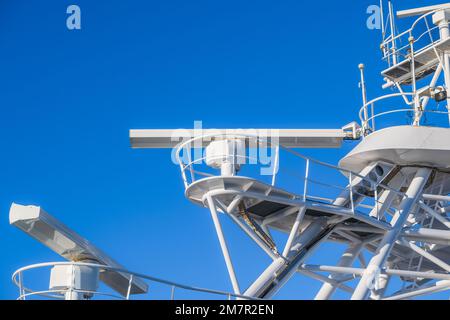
point(73, 280)
point(291, 138)
point(58, 237)
point(402, 145)
point(391, 201)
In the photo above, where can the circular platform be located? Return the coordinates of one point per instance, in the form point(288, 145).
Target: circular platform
point(402, 145)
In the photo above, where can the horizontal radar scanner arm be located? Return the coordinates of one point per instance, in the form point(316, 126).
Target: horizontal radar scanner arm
point(289, 138)
point(38, 224)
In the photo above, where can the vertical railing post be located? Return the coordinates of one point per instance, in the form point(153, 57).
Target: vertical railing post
point(183, 173)
point(172, 293)
point(21, 290)
point(191, 164)
point(372, 110)
point(130, 283)
point(70, 296)
point(305, 186)
point(276, 165)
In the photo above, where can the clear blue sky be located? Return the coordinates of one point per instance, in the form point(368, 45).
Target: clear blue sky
point(68, 99)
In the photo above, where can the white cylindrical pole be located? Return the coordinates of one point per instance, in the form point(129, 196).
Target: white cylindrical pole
point(364, 96)
point(223, 244)
point(392, 27)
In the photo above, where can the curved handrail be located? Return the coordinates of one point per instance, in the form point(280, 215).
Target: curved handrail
point(385, 97)
point(405, 110)
point(49, 294)
point(374, 115)
point(399, 51)
point(19, 283)
point(271, 144)
point(410, 31)
point(423, 17)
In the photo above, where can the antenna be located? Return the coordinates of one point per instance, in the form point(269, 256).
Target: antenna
point(37, 223)
point(363, 92)
point(225, 148)
point(392, 26)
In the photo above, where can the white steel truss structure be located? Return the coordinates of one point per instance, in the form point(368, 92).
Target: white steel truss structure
point(392, 206)
point(386, 210)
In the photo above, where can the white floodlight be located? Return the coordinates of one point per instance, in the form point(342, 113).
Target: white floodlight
point(58, 237)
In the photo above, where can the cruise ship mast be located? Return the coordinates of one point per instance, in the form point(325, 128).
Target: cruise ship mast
point(402, 169)
point(387, 201)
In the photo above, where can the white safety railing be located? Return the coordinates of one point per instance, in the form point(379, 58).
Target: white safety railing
point(380, 110)
point(26, 292)
point(305, 178)
point(398, 48)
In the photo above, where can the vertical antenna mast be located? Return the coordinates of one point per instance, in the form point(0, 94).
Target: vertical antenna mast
point(364, 95)
point(392, 27)
point(383, 31)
